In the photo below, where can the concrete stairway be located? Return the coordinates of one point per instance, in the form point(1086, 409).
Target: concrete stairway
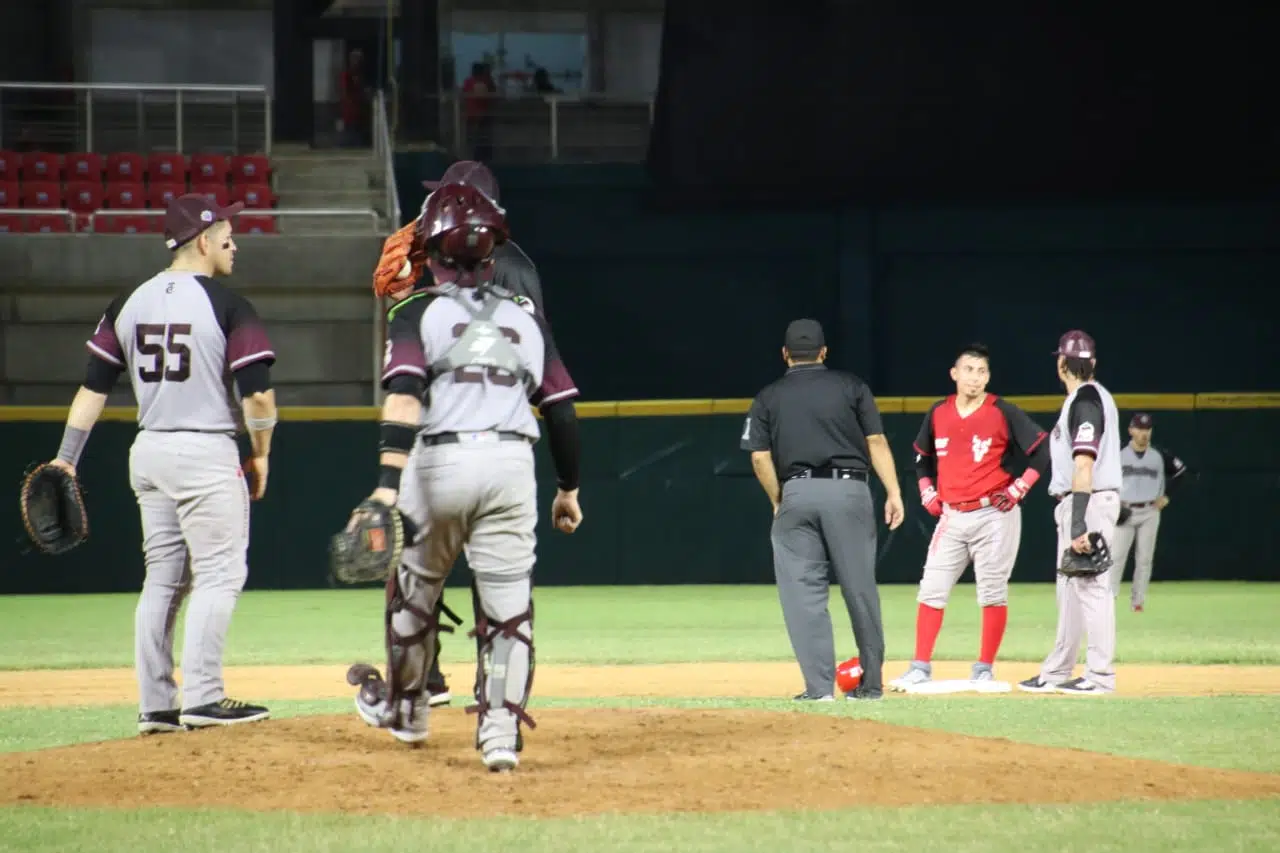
point(348, 179)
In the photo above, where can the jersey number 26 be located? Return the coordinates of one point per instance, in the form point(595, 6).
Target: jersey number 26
point(166, 347)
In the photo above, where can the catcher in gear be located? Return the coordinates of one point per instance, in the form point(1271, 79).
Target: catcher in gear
point(464, 362)
point(53, 512)
point(404, 269)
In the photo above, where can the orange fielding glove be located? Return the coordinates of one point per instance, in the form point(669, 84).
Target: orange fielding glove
point(399, 248)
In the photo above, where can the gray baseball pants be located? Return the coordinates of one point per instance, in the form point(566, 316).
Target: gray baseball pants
point(824, 526)
point(1139, 530)
point(194, 503)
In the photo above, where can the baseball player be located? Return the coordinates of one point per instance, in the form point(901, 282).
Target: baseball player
point(404, 269)
point(183, 338)
point(1150, 474)
point(1085, 448)
point(478, 358)
point(965, 446)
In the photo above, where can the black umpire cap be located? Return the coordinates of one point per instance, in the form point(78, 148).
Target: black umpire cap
point(188, 216)
point(804, 338)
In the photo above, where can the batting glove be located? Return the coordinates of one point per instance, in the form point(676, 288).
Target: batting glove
point(929, 498)
point(1009, 498)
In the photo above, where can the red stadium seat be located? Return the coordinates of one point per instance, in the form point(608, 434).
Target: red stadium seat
point(160, 194)
point(84, 196)
point(84, 167)
point(10, 195)
point(248, 224)
point(11, 223)
point(217, 193)
point(209, 169)
point(125, 167)
point(10, 165)
point(250, 169)
point(126, 196)
point(41, 166)
point(41, 195)
point(167, 168)
point(253, 195)
point(124, 223)
point(47, 224)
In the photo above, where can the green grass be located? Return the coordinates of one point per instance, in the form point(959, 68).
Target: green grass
point(1185, 623)
point(1200, 827)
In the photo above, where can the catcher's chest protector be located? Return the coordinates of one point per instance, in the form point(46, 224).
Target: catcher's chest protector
point(482, 343)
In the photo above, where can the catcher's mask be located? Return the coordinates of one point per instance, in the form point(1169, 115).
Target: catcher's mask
point(460, 226)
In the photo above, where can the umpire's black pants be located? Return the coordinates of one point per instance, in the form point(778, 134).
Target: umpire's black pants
point(823, 525)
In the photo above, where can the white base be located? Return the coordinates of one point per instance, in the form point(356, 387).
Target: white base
point(959, 686)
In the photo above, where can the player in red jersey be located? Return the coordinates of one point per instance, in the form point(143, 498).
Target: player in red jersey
point(965, 445)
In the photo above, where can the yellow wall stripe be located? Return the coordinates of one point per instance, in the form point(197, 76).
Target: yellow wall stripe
point(728, 406)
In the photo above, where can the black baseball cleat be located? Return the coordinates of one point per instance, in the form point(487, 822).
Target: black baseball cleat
point(160, 722)
point(224, 712)
point(864, 694)
point(810, 697)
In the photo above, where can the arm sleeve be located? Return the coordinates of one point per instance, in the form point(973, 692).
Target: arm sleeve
point(404, 355)
point(1027, 435)
point(557, 384)
point(247, 341)
point(565, 444)
point(1085, 422)
point(755, 431)
point(100, 375)
point(104, 344)
point(926, 461)
point(864, 404)
point(1174, 468)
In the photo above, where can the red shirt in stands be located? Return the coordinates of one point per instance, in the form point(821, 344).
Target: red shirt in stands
point(973, 451)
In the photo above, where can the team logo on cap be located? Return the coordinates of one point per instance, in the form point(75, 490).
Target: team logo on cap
point(206, 216)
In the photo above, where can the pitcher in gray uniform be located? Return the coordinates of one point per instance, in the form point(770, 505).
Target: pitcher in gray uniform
point(474, 359)
point(1085, 450)
point(188, 345)
point(1150, 474)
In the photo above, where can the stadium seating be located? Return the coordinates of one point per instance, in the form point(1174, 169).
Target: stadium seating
point(88, 184)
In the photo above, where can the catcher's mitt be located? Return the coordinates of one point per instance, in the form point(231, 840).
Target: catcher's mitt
point(53, 509)
point(371, 548)
point(399, 247)
point(1095, 562)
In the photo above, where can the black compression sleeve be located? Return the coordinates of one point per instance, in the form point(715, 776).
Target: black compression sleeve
point(565, 444)
point(100, 375)
point(253, 378)
point(408, 384)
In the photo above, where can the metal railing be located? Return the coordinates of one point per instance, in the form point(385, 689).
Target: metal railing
point(383, 151)
point(109, 117)
point(90, 218)
point(534, 128)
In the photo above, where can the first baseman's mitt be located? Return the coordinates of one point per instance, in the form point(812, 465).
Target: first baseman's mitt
point(400, 247)
point(53, 509)
point(369, 548)
point(1097, 561)
point(1125, 513)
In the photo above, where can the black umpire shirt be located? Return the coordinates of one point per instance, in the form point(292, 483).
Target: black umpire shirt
point(813, 417)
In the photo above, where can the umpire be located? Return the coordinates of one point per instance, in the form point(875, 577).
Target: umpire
point(813, 435)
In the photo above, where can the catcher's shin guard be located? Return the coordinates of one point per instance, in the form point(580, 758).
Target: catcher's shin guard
point(504, 673)
point(412, 624)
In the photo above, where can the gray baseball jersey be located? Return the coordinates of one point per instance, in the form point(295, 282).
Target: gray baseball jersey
point(181, 336)
point(1147, 474)
point(1089, 423)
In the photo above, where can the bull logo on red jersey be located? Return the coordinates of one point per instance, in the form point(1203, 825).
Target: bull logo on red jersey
point(980, 448)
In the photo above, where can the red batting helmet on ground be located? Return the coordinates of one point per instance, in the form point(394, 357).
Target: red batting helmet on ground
point(849, 675)
point(461, 226)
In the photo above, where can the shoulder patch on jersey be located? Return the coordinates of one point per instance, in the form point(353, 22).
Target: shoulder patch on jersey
point(1085, 433)
point(525, 302)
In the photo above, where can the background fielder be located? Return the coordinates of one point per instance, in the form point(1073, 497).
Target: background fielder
point(1150, 474)
point(965, 447)
point(182, 336)
point(1085, 448)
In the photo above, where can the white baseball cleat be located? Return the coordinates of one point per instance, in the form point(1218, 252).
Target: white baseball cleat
point(501, 760)
point(414, 710)
point(918, 673)
point(983, 679)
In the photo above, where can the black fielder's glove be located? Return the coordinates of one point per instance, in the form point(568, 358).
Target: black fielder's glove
point(53, 511)
point(1125, 512)
point(370, 546)
point(1097, 561)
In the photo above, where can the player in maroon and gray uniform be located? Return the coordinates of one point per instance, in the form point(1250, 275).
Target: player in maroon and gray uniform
point(965, 445)
point(478, 360)
point(184, 339)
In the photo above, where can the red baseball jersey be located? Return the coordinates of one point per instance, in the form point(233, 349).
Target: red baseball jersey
point(973, 451)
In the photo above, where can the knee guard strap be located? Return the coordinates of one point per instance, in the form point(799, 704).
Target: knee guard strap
point(411, 643)
point(495, 640)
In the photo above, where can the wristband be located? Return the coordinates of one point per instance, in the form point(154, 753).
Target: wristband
point(1029, 478)
point(73, 442)
point(389, 477)
point(1079, 503)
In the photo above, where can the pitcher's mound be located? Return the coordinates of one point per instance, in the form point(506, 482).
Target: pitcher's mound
point(591, 761)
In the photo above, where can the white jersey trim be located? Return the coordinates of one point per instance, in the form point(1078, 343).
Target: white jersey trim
point(551, 398)
point(103, 354)
point(410, 369)
point(250, 359)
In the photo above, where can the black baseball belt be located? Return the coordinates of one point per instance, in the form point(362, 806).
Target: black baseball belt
point(826, 472)
point(1066, 495)
point(1140, 504)
point(477, 437)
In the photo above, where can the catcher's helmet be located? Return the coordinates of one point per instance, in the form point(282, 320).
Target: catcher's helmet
point(461, 226)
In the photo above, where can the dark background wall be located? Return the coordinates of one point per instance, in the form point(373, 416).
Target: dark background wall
point(666, 499)
point(648, 302)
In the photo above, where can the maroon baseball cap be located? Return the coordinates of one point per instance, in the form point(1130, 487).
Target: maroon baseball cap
point(468, 172)
point(187, 217)
point(1140, 421)
point(1076, 344)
